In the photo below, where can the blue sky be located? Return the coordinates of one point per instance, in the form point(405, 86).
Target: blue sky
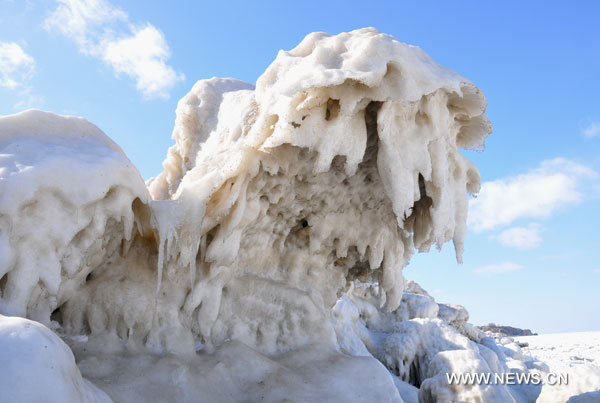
point(123, 65)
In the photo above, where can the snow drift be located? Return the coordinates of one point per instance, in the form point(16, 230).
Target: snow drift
point(265, 261)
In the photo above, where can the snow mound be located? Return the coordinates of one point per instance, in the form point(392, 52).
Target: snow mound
point(265, 261)
point(37, 366)
point(418, 346)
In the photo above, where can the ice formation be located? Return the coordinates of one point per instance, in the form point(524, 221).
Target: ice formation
point(265, 261)
point(66, 202)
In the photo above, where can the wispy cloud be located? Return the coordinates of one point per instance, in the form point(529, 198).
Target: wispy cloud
point(16, 66)
point(103, 31)
point(592, 130)
point(29, 98)
point(143, 57)
point(535, 194)
point(498, 268)
point(86, 22)
point(521, 237)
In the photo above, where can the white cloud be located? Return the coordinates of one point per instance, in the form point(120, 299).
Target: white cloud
point(104, 31)
point(537, 193)
point(16, 66)
point(521, 237)
point(592, 130)
point(84, 21)
point(498, 268)
point(143, 57)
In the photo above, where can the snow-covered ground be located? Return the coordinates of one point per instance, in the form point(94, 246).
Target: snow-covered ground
point(562, 351)
point(575, 354)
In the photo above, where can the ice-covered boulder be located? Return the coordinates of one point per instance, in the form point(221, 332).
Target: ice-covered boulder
point(436, 387)
point(421, 351)
point(66, 207)
point(340, 163)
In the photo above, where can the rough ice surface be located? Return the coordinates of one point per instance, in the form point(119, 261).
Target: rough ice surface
point(66, 195)
point(573, 353)
point(265, 261)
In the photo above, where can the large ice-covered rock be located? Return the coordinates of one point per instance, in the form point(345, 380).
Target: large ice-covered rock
point(340, 163)
point(337, 166)
point(66, 197)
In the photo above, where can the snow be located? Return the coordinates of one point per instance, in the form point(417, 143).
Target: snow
point(53, 234)
point(265, 261)
point(236, 372)
point(562, 351)
point(37, 366)
point(419, 347)
point(576, 354)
